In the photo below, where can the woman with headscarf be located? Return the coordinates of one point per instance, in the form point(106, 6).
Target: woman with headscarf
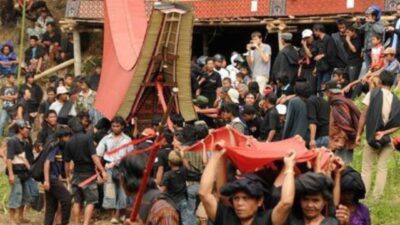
point(314, 193)
point(352, 190)
point(246, 195)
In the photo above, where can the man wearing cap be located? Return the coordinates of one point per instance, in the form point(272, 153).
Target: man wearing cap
point(9, 95)
point(246, 195)
point(18, 172)
point(259, 59)
point(219, 62)
point(286, 62)
point(306, 53)
point(64, 107)
point(343, 122)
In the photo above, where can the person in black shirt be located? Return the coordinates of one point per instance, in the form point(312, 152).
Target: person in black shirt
point(306, 53)
point(94, 79)
point(209, 82)
point(353, 48)
point(270, 128)
point(44, 106)
point(286, 62)
point(54, 172)
point(174, 183)
point(18, 173)
point(340, 40)
point(326, 57)
point(36, 93)
point(23, 107)
point(318, 110)
point(253, 121)
point(80, 149)
point(162, 165)
point(246, 195)
point(49, 127)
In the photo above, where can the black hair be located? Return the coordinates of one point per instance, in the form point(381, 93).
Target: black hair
point(352, 28)
point(271, 98)
point(118, 120)
point(33, 37)
point(227, 78)
point(83, 114)
point(339, 71)
point(201, 131)
point(283, 80)
point(250, 93)
point(51, 23)
point(249, 110)
point(103, 124)
point(342, 22)
point(177, 119)
point(75, 124)
point(132, 170)
point(319, 27)
point(302, 89)
point(155, 120)
point(377, 36)
point(256, 34)
point(188, 135)
point(254, 87)
point(168, 135)
point(387, 78)
point(51, 89)
point(48, 113)
point(230, 108)
point(210, 59)
point(62, 132)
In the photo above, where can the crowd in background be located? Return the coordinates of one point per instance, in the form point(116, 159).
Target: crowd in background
point(305, 93)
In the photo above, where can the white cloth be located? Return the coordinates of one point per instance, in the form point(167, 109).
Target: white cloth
point(109, 142)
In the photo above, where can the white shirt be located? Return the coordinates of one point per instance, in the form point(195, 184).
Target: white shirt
point(109, 142)
point(57, 106)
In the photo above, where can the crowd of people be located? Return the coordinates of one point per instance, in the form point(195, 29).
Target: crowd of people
point(48, 46)
point(306, 93)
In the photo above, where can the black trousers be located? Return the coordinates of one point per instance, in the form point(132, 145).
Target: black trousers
point(58, 193)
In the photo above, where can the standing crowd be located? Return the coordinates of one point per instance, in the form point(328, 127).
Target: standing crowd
point(306, 93)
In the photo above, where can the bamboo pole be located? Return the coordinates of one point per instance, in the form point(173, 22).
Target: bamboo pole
point(54, 69)
point(77, 52)
point(22, 39)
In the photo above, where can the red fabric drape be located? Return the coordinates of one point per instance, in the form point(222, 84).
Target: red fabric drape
point(249, 155)
point(125, 25)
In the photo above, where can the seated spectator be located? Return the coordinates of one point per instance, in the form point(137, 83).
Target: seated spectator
point(67, 49)
point(34, 55)
point(40, 25)
point(52, 41)
point(8, 60)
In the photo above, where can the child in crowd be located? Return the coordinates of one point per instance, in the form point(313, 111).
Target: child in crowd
point(377, 53)
point(174, 182)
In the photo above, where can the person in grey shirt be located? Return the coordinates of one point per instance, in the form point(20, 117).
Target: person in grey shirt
point(259, 59)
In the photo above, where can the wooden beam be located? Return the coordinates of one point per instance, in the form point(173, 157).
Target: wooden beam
point(54, 69)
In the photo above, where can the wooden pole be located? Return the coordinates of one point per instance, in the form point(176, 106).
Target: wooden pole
point(77, 52)
point(54, 69)
point(22, 39)
point(150, 162)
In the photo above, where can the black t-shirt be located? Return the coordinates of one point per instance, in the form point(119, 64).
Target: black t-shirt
point(226, 216)
point(209, 87)
point(162, 158)
point(94, 82)
point(175, 182)
point(37, 96)
point(254, 127)
point(318, 113)
point(354, 58)
point(15, 146)
point(44, 107)
point(56, 37)
point(26, 109)
point(80, 149)
point(9, 106)
point(270, 122)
